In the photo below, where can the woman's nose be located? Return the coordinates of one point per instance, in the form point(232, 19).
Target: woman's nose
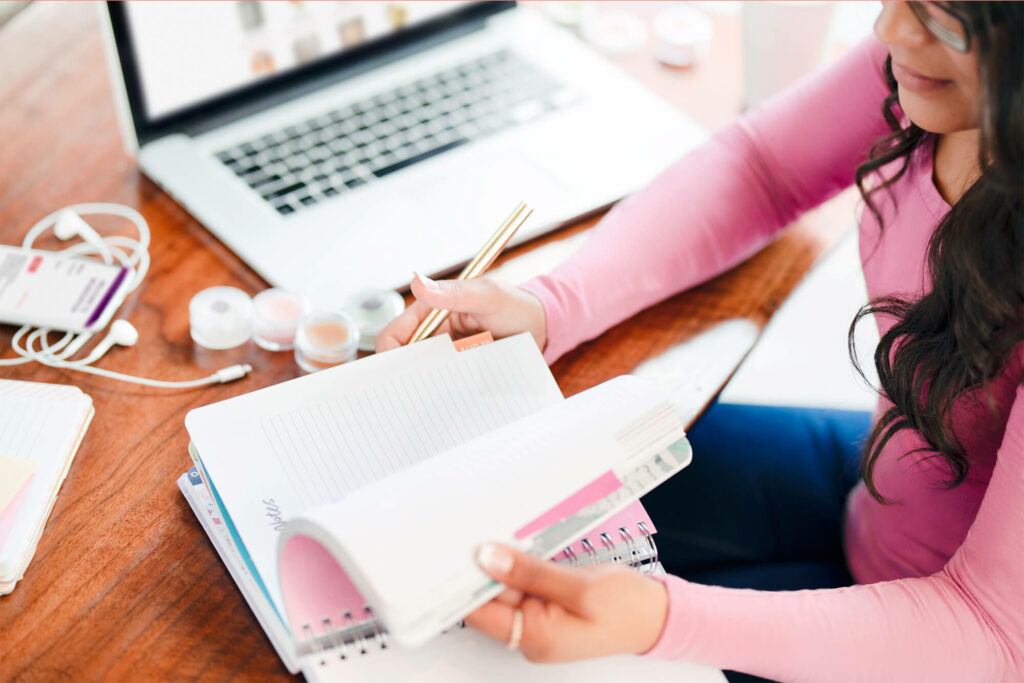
point(898, 25)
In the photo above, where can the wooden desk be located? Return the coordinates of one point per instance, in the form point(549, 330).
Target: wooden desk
point(125, 583)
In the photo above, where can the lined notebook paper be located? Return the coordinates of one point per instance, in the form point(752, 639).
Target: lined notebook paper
point(43, 423)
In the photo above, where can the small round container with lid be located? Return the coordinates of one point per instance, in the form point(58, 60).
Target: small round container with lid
point(325, 339)
point(372, 310)
point(220, 318)
point(682, 36)
point(276, 316)
point(614, 31)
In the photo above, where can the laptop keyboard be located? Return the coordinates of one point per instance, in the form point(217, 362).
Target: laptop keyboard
point(342, 149)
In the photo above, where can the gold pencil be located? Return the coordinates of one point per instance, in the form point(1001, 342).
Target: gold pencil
point(476, 267)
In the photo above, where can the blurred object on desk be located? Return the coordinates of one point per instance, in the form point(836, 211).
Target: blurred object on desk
point(9, 9)
point(771, 64)
point(614, 31)
point(682, 36)
point(816, 33)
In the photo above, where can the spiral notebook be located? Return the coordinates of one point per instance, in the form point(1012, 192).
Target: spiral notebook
point(366, 636)
point(346, 504)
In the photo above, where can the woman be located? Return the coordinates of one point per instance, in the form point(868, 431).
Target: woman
point(929, 122)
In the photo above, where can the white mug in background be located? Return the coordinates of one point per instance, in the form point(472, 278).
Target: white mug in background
point(782, 41)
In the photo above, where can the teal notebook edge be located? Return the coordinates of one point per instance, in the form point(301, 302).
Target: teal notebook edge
point(235, 537)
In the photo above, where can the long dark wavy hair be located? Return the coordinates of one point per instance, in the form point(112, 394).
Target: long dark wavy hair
point(957, 337)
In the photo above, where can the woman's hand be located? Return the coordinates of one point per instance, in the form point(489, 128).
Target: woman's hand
point(477, 305)
point(569, 614)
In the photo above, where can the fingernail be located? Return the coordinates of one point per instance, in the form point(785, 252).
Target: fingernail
point(494, 559)
point(427, 282)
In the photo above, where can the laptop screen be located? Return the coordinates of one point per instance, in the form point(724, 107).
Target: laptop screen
point(188, 53)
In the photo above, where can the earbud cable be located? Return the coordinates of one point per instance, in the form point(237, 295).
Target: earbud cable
point(130, 253)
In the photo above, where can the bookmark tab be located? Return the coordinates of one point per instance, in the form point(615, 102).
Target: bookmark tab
point(473, 341)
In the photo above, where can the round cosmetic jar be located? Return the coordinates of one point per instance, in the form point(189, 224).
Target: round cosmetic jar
point(682, 36)
point(614, 31)
point(325, 339)
point(220, 318)
point(275, 318)
point(372, 310)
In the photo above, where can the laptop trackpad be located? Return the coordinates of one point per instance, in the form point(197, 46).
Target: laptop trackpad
point(428, 221)
point(466, 207)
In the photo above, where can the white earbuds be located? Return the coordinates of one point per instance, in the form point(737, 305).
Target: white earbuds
point(70, 225)
point(131, 253)
point(122, 333)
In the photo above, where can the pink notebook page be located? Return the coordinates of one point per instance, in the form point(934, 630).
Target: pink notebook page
point(317, 590)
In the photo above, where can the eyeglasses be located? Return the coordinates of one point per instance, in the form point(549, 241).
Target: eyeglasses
point(947, 26)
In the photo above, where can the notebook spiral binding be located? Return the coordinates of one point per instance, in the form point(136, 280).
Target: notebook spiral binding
point(642, 554)
point(352, 637)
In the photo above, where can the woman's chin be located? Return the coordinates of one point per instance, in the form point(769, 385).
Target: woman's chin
point(934, 111)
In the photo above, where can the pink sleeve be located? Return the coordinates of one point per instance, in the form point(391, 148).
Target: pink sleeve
point(965, 623)
point(721, 203)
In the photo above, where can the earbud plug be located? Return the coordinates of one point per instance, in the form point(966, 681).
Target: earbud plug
point(122, 333)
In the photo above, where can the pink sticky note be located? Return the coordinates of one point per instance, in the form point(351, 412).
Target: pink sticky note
point(10, 513)
point(591, 493)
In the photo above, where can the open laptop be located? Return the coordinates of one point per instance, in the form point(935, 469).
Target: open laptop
point(336, 146)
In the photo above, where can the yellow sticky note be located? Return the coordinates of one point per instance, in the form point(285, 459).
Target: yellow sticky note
point(14, 472)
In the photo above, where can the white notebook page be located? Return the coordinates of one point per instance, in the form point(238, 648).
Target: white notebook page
point(276, 455)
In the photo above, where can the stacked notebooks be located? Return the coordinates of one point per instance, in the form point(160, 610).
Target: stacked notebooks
point(347, 505)
point(41, 427)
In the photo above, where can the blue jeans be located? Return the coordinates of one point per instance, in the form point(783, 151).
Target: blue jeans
point(761, 505)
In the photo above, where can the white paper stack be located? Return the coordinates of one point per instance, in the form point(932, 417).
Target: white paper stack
point(41, 427)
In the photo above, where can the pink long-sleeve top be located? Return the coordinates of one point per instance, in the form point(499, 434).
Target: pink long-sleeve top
point(940, 571)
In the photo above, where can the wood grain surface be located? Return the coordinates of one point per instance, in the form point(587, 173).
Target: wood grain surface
point(125, 584)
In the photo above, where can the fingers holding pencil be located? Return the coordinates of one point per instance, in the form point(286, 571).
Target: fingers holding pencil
point(476, 305)
point(477, 265)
